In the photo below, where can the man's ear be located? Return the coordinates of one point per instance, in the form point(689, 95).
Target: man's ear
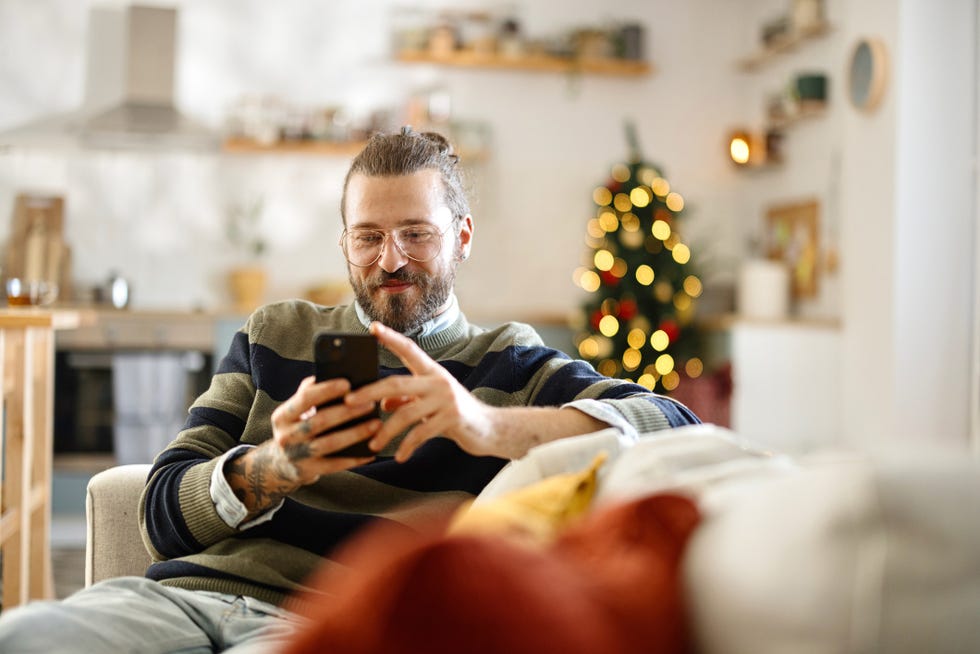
point(465, 237)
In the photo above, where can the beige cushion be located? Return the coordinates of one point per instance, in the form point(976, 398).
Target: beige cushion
point(114, 547)
point(688, 459)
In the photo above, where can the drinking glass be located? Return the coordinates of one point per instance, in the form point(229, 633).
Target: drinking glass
point(22, 292)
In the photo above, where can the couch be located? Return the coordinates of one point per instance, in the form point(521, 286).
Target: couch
point(838, 551)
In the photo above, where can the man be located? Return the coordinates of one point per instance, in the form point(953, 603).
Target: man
point(244, 504)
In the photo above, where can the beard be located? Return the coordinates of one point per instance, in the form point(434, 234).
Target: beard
point(402, 312)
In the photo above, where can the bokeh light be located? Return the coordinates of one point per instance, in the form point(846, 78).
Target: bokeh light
point(694, 367)
point(608, 221)
point(632, 359)
point(681, 253)
point(674, 201)
point(645, 275)
point(622, 202)
point(632, 240)
point(603, 259)
point(608, 326)
point(594, 228)
point(664, 364)
point(640, 196)
point(682, 301)
point(659, 340)
point(739, 149)
point(608, 367)
point(692, 286)
point(647, 381)
point(637, 338)
point(602, 196)
point(588, 348)
point(660, 229)
point(663, 291)
point(590, 281)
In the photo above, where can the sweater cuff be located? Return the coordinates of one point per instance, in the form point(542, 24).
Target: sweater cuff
point(226, 503)
point(607, 414)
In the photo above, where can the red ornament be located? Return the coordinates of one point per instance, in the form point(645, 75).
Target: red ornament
point(627, 309)
point(670, 328)
point(608, 278)
point(614, 186)
point(595, 319)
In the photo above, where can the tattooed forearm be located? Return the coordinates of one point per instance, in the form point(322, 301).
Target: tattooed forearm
point(260, 478)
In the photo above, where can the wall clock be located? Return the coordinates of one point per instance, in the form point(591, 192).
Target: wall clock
point(868, 74)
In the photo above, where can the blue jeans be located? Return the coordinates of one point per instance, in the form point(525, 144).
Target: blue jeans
point(133, 614)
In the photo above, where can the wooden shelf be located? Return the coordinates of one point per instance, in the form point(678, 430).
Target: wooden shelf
point(529, 63)
point(320, 148)
point(238, 145)
point(783, 44)
point(807, 111)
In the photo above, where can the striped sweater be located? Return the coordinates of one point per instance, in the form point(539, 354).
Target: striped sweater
point(192, 547)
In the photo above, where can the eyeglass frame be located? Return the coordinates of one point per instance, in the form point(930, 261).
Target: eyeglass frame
point(387, 234)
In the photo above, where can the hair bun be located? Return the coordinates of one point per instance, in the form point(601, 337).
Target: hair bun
point(445, 147)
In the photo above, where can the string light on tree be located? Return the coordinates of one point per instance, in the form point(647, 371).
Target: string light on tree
point(640, 278)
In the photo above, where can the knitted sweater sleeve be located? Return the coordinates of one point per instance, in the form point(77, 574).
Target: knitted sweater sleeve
point(176, 513)
point(554, 379)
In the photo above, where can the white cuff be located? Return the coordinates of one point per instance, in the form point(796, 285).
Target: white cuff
point(607, 414)
point(228, 506)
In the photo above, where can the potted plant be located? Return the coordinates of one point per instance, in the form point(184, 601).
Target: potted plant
point(247, 280)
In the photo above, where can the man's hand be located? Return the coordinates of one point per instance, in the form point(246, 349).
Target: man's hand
point(429, 402)
point(296, 455)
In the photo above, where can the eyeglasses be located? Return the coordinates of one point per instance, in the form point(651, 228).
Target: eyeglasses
point(421, 243)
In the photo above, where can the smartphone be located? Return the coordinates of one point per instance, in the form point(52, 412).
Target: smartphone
point(355, 358)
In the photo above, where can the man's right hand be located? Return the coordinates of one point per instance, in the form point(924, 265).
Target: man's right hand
point(297, 453)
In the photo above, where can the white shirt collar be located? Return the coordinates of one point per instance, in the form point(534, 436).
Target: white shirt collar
point(432, 326)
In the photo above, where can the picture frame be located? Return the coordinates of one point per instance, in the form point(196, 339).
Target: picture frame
point(792, 236)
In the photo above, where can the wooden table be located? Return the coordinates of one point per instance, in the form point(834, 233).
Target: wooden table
point(26, 446)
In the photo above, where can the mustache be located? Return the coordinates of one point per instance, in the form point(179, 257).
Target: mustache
point(400, 275)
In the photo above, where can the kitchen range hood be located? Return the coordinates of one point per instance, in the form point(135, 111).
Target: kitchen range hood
point(128, 92)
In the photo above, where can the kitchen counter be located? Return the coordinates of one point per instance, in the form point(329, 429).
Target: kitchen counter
point(137, 329)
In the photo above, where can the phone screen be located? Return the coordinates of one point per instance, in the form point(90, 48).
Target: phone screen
point(353, 357)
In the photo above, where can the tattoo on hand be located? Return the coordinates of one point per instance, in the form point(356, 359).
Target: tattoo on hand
point(261, 480)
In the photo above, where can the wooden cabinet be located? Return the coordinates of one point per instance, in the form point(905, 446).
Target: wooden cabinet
point(786, 383)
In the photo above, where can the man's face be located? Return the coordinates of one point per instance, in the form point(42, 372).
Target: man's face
point(396, 290)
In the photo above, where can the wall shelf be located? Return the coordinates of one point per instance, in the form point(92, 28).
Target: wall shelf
point(245, 146)
point(783, 44)
point(529, 63)
point(806, 111)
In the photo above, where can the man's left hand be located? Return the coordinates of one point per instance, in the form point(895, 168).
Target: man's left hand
point(429, 402)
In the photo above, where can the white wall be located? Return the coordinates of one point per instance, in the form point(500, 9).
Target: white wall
point(909, 223)
point(157, 218)
point(935, 218)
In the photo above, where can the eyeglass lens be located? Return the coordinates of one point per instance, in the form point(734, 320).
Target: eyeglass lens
point(363, 247)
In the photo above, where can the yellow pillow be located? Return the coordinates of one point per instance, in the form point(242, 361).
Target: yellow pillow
point(535, 514)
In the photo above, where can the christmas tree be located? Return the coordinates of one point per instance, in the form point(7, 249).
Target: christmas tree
point(638, 317)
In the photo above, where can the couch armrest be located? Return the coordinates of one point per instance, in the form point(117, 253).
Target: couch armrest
point(113, 545)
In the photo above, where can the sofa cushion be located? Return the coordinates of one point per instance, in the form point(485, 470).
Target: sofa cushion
point(852, 553)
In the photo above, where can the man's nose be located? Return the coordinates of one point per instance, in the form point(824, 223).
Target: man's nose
point(392, 258)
